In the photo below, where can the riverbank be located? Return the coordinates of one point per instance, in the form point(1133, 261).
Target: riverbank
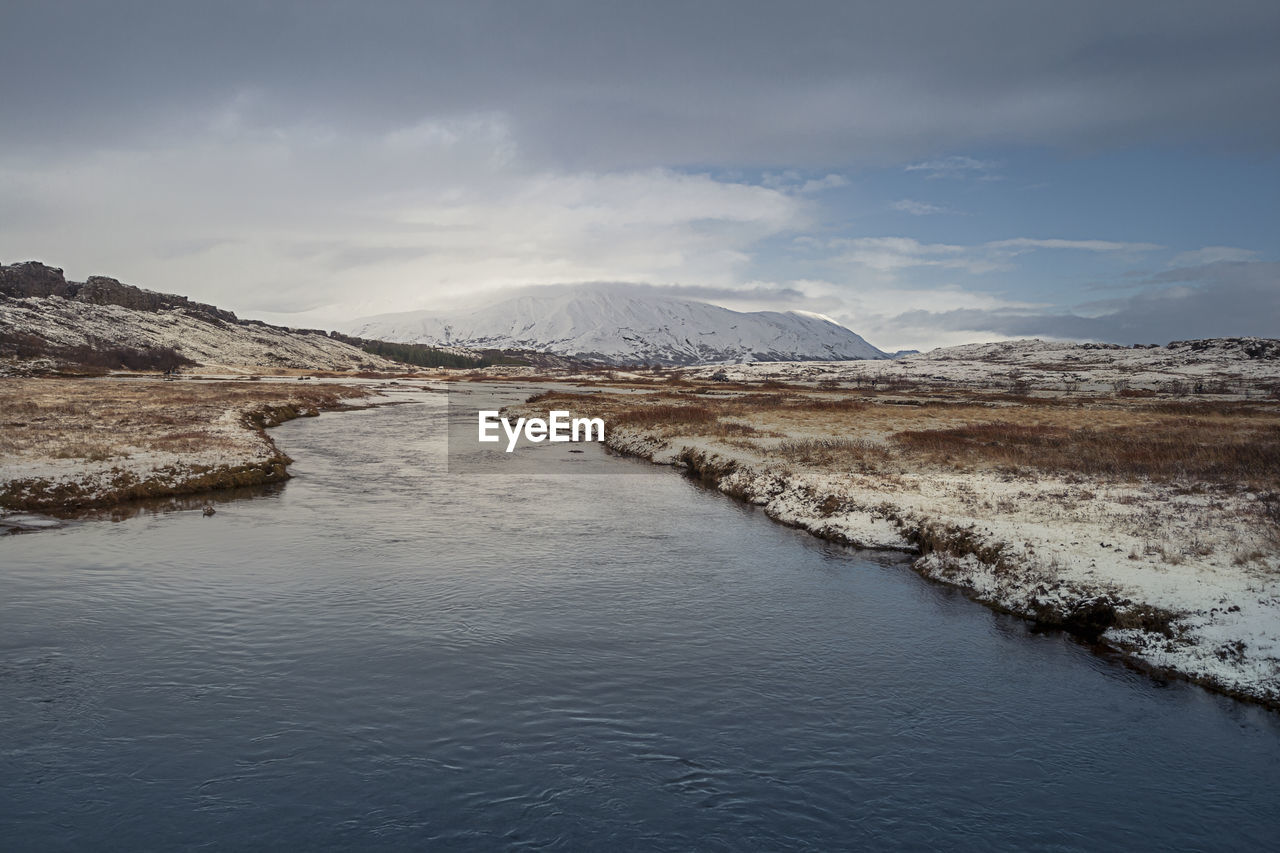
point(1146, 525)
point(67, 445)
point(564, 659)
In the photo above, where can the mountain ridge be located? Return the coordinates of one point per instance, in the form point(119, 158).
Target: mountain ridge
point(615, 325)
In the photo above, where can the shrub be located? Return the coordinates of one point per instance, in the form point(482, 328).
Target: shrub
point(125, 358)
point(24, 345)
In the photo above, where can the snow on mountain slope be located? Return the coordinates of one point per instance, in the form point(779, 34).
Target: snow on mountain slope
point(616, 325)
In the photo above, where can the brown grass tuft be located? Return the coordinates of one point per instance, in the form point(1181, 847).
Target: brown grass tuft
point(92, 451)
point(833, 452)
point(662, 414)
point(1177, 449)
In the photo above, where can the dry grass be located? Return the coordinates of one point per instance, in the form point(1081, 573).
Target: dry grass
point(662, 414)
point(84, 450)
point(101, 419)
point(1117, 438)
point(1219, 450)
point(833, 453)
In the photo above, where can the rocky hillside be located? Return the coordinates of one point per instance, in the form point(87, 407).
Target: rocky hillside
point(34, 279)
point(1248, 367)
point(46, 320)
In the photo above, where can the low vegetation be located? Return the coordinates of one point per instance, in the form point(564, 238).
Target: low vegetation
point(81, 442)
point(834, 453)
point(1120, 438)
point(666, 414)
point(1176, 449)
point(94, 357)
point(421, 355)
point(1148, 522)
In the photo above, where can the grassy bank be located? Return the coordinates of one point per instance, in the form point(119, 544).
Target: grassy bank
point(1149, 525)
point(71, 444)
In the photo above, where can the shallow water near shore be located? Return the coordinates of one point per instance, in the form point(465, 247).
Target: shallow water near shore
point(380, 655)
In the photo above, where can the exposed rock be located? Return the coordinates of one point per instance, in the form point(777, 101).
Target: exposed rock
point(46, 321)
point(31, 278)
point(100, 290)
point(1261, 348)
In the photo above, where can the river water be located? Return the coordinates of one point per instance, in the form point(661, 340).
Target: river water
point(379, 655)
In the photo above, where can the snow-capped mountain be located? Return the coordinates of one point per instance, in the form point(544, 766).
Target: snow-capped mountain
point(619, 325)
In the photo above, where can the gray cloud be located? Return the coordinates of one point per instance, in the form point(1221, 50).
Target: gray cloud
point(366, 256)
point(608, 85)
point(1223, 299)
point(333, 157)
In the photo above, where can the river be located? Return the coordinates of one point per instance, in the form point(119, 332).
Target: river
point(381, 655)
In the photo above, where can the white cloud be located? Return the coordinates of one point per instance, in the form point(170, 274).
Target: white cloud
point(889, 254)
point(918, 208)
point(957, 167)
point(793, 181)
point(333, 223)
point(828, 182)
point(1019, 245)
point(882, 311)
point(1212, 255)
point(268, 219)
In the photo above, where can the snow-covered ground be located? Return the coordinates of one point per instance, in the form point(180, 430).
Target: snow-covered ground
point(215, 344)
point(1180, 575)
point(1054, 549)
point(1218, 365)
point(73, 443)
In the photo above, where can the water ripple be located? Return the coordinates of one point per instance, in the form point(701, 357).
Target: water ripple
point(379, 655)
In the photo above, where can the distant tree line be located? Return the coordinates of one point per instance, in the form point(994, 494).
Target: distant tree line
point(421, 355)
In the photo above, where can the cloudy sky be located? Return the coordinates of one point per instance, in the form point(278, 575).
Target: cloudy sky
point(925, 173)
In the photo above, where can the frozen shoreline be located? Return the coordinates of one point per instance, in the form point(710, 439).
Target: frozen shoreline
point(1078, 556)
point(1181, 581)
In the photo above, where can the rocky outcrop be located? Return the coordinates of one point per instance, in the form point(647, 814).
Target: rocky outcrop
point(1254, 348)
point(48, 323)
point(100, 290)
point(33, 279)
